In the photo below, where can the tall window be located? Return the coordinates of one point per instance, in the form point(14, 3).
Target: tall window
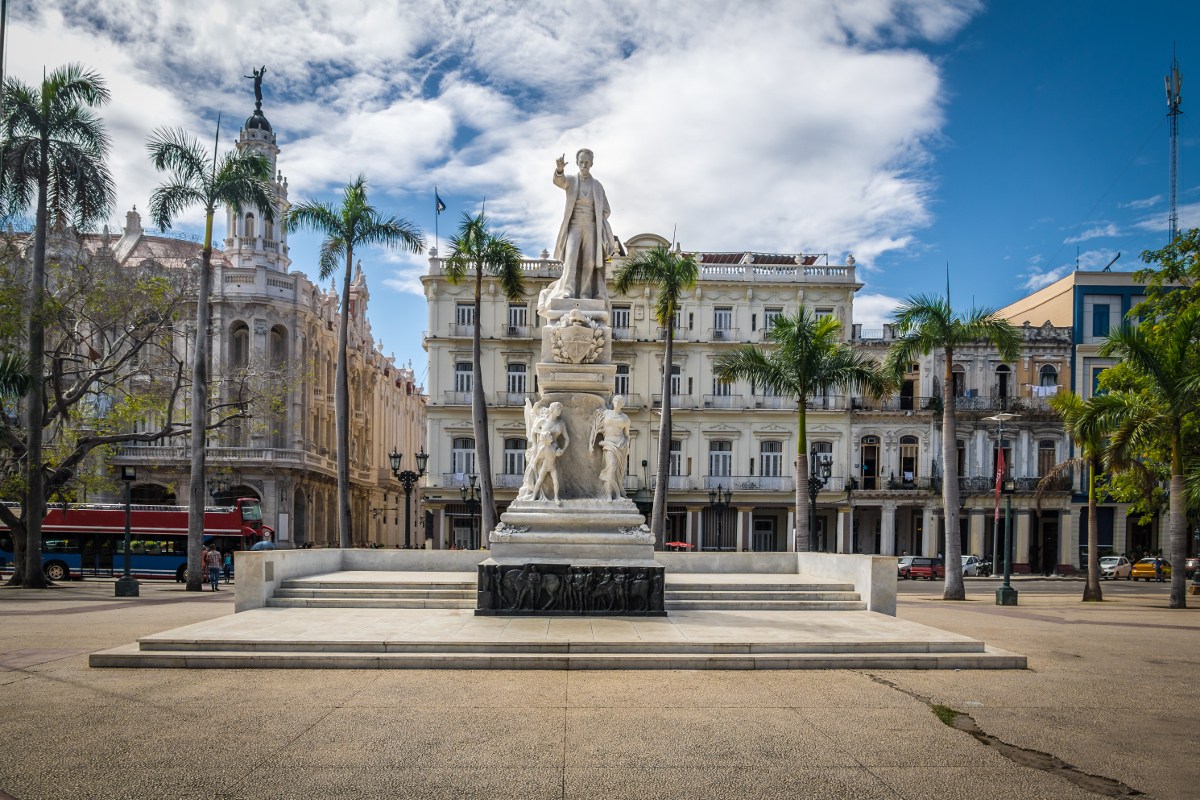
point(675, 462)
point(822, 313)
point(961, 462)
point(464, 314)
point(721, 389)
point(241, 345)
point(675, 378)
point(1003, 376)
point(720, 459)
point(1099, 319)
point(517, 314)
point(516, 378)
point(908, 457)
point(278, 347)
point(770, 459)
point(823, 451)
point(514, 456)
point(268, 230)
point(462, 376)
point(1006, 445)
point(620, 316)
point(769, 317)
point(462, 456)
point(249, 226)
point(723, 317)
point(960, 381)
point(621, 381)
point(1047, 450)
point(1049, 375)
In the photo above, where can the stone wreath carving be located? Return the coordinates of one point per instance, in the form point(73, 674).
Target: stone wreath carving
point(504, 532)
point(640, 534)
point(576, 339)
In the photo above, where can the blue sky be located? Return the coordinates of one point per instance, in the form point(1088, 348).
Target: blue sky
point(999, 137)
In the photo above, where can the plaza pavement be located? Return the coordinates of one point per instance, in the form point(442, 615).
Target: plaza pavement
point(1111, 691)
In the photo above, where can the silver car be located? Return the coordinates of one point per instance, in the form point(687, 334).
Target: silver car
point(1116, 567)
point(970, 566)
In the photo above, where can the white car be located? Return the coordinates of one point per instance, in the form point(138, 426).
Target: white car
point(970, 566)
point(902, 566)
point(1115, 567)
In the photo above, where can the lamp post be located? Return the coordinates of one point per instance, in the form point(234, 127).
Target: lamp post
point(127, 585)
point(408, 479)
point(1006, 595)
point(999, 419)
point(471, 498)
point(818, 477)
point(719, 504)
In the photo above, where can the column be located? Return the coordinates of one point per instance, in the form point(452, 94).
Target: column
point(1021, 540)
point(791, 530)
point(439, 528)
point(743, 529)
point(1121, 529)
point(697, 515)
point(1068, 537)
point(845, 542)
point(929, 523)
point(887, 529)
point(977, 532)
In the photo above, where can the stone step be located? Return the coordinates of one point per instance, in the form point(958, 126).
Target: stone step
point(673, 594)
point(366, 602)
point(765, 605)
point(681, 586)
point(382, 594)
point(466, 586)
point(131, 656)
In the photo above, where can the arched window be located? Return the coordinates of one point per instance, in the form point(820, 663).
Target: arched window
point(770, 459)
point(959, 376)
point(514, 456)
point(240, 345)
point(1047, 456)
point(268, 230)
point(908, 458)
point(278, 346)
point(462, 456)
point(249, 226)
point(1049, 375)
point(1003, 380)
point(869, 469)
point(720, 459)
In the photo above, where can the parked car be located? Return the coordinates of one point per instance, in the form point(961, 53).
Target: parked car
point(928, 568)
point(902, 566)
point(1145, 569)
point(1117, 567)
point(1189, 567)
point(972, 566)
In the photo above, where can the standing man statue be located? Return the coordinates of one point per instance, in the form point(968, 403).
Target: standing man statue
point(611, 428)
point(585, 241)
point(257, 78)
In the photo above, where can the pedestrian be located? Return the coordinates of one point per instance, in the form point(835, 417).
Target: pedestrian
point(1158, 568)
point(213, 560)
point(228, 566)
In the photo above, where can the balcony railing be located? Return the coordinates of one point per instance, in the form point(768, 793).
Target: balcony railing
point(723, 334)
point(722, 401)
point(462, 331)
point(677, 401)
point(897, 404)
point(680, 333)
point(775, 402)
point(630, 400)
point(517, 331)
point(828, 402)
point(913, 484)
point(503, 481)
point(512, 398)
point(1027, 485)
point(680, 482)
point(453, 480)
point(632, 482)
point(622, 333)
point(749, 483)
point(457, 398)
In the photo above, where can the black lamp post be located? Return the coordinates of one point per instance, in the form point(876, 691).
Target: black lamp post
point(127, 585)
point(408, 479)
point(471, 498)
point(719, 504)
point(817, 478)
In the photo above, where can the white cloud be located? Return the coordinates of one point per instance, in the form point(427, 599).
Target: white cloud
point(1146, 203)
point(1037, 279)
point(1097, 232)
point(1189, 217)
point(873, 310)
point(1089, 260)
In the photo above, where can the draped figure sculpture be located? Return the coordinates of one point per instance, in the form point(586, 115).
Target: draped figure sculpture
point(610, 428)
point(545, 428)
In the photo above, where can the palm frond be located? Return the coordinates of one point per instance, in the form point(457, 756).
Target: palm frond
point(332, 257)
point(751, 364)
point(177, 151)
point(315, 216)
point(1057, 471)
point(14, 375)
point(983, 324)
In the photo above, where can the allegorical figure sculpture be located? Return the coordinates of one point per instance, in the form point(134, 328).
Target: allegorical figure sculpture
point(257, 77)
point(545, 429)
point(610, 427)
point(585, 241)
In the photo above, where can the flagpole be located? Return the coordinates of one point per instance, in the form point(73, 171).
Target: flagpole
point(436, 214)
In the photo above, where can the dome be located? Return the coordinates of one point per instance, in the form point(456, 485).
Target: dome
point(257, 120)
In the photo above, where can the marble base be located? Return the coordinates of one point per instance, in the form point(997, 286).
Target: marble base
point(550, 587)
point(575, 530)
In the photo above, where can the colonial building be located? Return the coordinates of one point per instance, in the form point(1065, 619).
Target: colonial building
point(271, 319)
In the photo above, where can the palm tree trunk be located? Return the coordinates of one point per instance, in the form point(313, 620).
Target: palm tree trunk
point(803, 541)
point(199, 415)
point(479, 424)
point(954, 589)
point(342, 413)
point(35, 498)
point(658, 513)
point(1091, 589)
point(1178, 525)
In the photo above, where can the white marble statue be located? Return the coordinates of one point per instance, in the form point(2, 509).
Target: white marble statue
point(544, 429)
point(585, 240)
point(611, 428)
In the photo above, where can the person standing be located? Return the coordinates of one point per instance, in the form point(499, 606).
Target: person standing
point(1158, 568)
point(228, 566)
point(213, 559)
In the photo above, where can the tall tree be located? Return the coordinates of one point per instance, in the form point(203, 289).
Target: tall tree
point(1170, 367)
point(806, 358)
point(198, 177)
point(668, 275)
point(925, 323)
point(1079, 419)
point(475, 247)
point(346, 227)
point(53, 156)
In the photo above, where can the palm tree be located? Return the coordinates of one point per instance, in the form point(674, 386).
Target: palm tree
point(1079, 419)
point(925, 323)
point(807, 358)
point(52, 157)
point(1170, 368)
point(235, 180)
point(671, 274)
point(356, 223)
point(14, 375)
point(476, 248)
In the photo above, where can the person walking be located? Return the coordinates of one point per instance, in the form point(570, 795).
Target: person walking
point(1158, 568)
point(228, 566)
point(213, 560)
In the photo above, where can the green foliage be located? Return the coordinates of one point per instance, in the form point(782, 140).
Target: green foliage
point(487, 252)
point(1173, 285)
point(925, 323)
point(670, 274)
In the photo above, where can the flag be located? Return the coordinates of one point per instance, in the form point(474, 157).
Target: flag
point(437, 202)
point(999, 478)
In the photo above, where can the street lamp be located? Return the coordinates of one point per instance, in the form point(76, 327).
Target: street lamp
point(471, 498)
point(719, 504)
point(408, 479)
point(818, 477)
point(999, 419)
point(127, 585)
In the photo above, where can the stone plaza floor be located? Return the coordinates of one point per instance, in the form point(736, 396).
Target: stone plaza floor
point(1110, 691)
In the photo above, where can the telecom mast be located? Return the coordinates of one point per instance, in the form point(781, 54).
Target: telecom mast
point(1173, 102)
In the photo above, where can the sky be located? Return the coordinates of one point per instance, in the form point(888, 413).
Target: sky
point(1003, 140)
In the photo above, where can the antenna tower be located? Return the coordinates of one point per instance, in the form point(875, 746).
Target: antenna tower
point(1173, 102)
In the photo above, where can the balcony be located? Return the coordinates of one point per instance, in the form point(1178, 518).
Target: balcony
point(680, 333)
point(677, 482)
point(829, 402)
point(723, 334)
point(517, 332)
point(504, 481)
point(456, 398)
point(359, 417)
point(631, 483)
point(1028, 485)
point(775, 402)
point(897, 404)
point(622, 334)
point(454, 480)
point(723, 401)
point(677, 401)
point(234, 456)
point(511, 398)
point(459, 331)
point(916, 483)
point(630, 400)
point(749, 483)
